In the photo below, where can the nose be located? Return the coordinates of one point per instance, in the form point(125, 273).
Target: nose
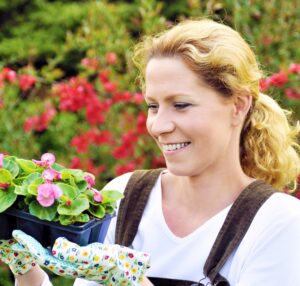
point(160, 123)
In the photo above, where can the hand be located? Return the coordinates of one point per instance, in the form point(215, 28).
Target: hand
point(109, 264)
point(19, 261)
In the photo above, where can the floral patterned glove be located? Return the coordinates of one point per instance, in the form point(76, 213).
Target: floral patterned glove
point(109, 264)
point(106, 264)
point(43, 256)
point(19, 261)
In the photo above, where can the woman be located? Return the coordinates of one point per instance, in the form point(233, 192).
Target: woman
point(218, 135)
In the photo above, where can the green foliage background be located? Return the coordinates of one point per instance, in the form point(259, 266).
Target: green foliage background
point(49, 38)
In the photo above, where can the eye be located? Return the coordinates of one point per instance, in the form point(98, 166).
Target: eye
point(152, 106)
point(181, 105)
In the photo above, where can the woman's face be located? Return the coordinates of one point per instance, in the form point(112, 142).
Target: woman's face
point(190, 121)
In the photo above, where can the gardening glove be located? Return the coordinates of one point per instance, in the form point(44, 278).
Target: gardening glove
point(112, 264)
point(19, 261)
point(43, 256)
point(106, 264)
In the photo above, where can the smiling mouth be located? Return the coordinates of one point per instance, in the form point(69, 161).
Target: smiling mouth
point(176, 146)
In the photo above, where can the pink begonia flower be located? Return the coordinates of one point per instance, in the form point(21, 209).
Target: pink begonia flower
point(1, 160)
point(90, 180)
point(97, 196)
point(47, 193)
point(47, 160)
point(50, 174)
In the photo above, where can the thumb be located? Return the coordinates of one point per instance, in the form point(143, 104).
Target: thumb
point(29, 243)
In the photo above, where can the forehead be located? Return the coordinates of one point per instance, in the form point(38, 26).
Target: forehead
point(172, 67)
point(172, 76)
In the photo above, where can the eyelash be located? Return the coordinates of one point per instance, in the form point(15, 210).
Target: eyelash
point(177, 106)
point(181, 105)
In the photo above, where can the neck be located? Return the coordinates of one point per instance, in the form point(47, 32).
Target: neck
point(210, 192)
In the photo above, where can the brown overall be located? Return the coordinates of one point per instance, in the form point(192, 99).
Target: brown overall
point(230, 235)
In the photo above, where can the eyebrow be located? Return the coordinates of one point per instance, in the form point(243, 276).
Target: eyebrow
point(168, 97)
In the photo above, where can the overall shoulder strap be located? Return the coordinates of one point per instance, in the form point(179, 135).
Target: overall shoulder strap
point(235, 227)
point(132, 206)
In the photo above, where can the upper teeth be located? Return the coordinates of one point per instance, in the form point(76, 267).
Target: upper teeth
point(170, 147)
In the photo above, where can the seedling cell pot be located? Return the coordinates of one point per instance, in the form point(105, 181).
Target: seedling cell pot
point(46, 232)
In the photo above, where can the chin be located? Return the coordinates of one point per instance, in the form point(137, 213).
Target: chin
point(178, 171)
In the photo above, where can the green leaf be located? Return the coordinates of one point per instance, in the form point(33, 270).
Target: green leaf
point(77, 174)
point(82, 185)
point(10, 164)
point(66, 219)
point(76, 207)
point(7, 198)
point(31, 177)
point(32, 188)
point(82, 218)
point(5, 177)
point(27, 166)
point(68, 191)
point(57, 167)
point(97, 211)
point(67, 176)
point(109, 209)
point(110, 196)
point(21, 190)
point(44, 213)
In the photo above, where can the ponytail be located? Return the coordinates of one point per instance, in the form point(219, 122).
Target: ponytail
point(269, 145)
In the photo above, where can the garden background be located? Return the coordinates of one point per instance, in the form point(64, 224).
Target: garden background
point(68, 85)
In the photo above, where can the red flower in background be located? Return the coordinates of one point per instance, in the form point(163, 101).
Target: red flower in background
point(9, 75)
point(122, 169)
point(75, 94)
point(138, 98)
point(279, 79)
point(100, 137)
point(76, 163)
point(81, 143)
point(294, 68)
point(90, 63)
point(158, 162)
point(92, 168)
point(40, 122)
point(264, 84)
point(95, 112)
point(292, 93)
point(141, 123)
point(124, 96)
point(110, 86)
point(104, 75)
point(26, 82)
point(111, 58)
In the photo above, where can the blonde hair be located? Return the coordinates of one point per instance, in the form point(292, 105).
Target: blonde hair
point(223, 59)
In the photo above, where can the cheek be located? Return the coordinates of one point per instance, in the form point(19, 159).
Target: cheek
point(149, 124)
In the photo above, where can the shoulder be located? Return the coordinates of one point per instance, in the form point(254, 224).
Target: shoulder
point(280, 213)
point(119, 183)
point(282, 205)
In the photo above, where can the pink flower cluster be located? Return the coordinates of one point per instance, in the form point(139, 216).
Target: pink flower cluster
point(48, 192)
point(40, 122)
point(24, 81)
point(280, 79)
point(78, 94)
point(93, 136)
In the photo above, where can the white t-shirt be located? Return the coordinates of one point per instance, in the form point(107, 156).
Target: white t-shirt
point(269, 254)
